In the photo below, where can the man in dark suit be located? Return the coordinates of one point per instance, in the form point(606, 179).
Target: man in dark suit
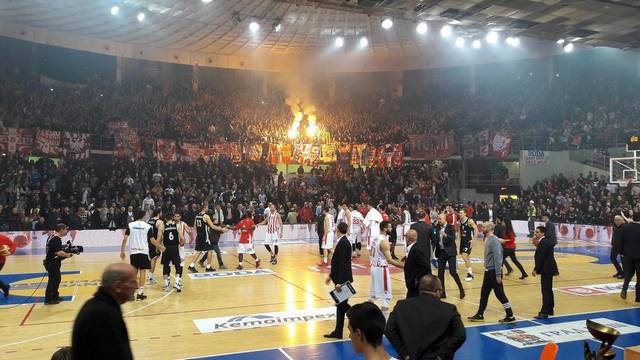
point(443, 240)
point(546, 267)
point(99, 331)
point(551, 228)
point(417, 264)
point(618, 224)
point(409, 319)
point(340, 274)
point(423, 229)
point(630, 245)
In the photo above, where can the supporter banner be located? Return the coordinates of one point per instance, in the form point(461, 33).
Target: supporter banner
point(251, 321)
point(275, 153)
point(431, 147)
point(48, 142)
point(356, 154)
point(192, 152)
point(391, 155)
point(328, 153)
point(534, 157)
point(166, 150)
point(526, 337)
point(564, 231)
point(234, 152)
point(14, 140)
point(116, 126)
point(500, 144)
point(127, 143)
point(287, 153)
point(344, 153)
point(252, 152)
point(307, 154)
point(148, 148)
point(75, 145)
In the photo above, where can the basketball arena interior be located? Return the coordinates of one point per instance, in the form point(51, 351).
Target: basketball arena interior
point(236, 179)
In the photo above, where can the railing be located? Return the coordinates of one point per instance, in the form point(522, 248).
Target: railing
point(491, 179)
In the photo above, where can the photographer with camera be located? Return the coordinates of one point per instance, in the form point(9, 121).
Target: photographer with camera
point(52, 263)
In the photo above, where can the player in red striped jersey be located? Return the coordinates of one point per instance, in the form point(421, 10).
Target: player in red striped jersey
point(245, 245)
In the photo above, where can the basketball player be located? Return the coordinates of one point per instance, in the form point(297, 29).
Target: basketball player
point(328, 237)
point(274, 232)
point(380, 258)
point(347, 218)
point(357, 230)
point(245, 245)
point(157, 226)
point(372, 223)
point(406, 222)
point(172, 239)
point(183, 229)
point(468, 230)
point(141, 235)
point(202, 223)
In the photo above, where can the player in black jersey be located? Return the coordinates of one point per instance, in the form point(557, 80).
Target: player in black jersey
point(468, 229)
point(203, 223)
point(172, 239)
point(157, 226)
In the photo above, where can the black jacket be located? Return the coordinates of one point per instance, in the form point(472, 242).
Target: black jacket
point(416, 266)
point(341, 262)
point(551, 232)
point(99, 331)
point(616, 238)
point(630, 242)
point(545, 262)
point(423, 229)
point(449, 240)
point(409, 319)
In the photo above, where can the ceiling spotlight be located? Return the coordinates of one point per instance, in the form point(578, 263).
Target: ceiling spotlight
point(115, 10)
point(206, 1)
point(445, 31)
point(513, 41)
point(568, 48)
point(476, 44)
point(254, 26)
point(141, 16)
point(387, 23)
point(422, 28)
point(460, 42)
point(277, 25)
point(339, 42)
point(364, 42)
point(560, 41)
point(492, 37)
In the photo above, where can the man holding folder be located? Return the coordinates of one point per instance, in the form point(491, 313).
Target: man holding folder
point(340, 274)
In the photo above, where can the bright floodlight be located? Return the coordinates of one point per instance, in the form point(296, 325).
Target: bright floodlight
point(386, 23)
point(492, 37)
point(115, 10)
point(206, 1)
point(513, 41)
point(422, 28)
point(477, 44)
point(560, 41)
point(254, 26)
point(141, 16)
point(445, 31)
point(339, 42)
point(364, 42)
point(568, 48)
point(278, 27)
point(460, 42)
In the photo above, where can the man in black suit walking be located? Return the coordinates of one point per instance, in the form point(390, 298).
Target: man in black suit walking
point(340, 274)
point(409, 319)
point(546, 267)
point(630, 245)
point(443, 240)
point(417, 264)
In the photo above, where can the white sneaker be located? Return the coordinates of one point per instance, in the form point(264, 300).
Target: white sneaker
point(469, 277)
point(167, 286)
point(151, 281)
point(177, 285)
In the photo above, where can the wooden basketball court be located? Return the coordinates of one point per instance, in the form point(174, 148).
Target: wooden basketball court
point(163, 326)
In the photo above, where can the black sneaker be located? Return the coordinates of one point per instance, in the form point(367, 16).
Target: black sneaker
point(476, 318)
point(5, 290)
point(192, 269)
point(141, 297)
point(209, 269)
point(524, 276)
point(273, 258)
point(275, 261)
point(507, 319)
point(52, 302)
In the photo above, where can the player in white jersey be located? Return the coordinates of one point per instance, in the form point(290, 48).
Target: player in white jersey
point(184, 230)
point(274, 232)
point(328, 237)
point(140, 235)
point(356, 230)
point(406, 223)
point(372, 223)
point(380, 258)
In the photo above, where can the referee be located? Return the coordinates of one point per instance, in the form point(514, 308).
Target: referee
point(53, 262)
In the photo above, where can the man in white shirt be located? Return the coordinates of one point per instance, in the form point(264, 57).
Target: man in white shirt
point(357, 230)
point(372, 223)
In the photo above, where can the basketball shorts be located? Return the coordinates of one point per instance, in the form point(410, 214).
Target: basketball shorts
point(355, 238)
point(272, 238)
point(171, 255)
point(153, 252)
point(202, 244)
point(140, 261)
point(245, 248)
point(465, 247)
point(380, 288)
point(327, 241)
point(182, 255)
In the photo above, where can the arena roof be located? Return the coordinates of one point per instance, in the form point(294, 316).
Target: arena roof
point(217, 32)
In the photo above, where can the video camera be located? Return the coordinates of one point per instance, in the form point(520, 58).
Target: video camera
point(72, 249)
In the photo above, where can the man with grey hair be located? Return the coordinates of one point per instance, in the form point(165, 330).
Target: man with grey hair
point(99, 331)
point(492, 280)
point(618, 223)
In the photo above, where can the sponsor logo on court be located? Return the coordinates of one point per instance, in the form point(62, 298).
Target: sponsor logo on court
point(564, 332)
point(594, 290)
point(356, 269)
point(233, 273)
point(25, 287)
point(264, 320)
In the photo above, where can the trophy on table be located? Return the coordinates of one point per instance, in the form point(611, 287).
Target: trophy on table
point(605, 334)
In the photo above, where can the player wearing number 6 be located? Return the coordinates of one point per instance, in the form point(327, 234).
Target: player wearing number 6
point(171, 238)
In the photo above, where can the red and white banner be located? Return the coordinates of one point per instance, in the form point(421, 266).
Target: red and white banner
point(192, 152)
point(431, 147)
point(14, 140)
point(234, 152)
point(75, 145)
point(166, 150)
point(48, 142)
point(127, 143)
point(252, 152)
point(582, 232)
point(500, 144)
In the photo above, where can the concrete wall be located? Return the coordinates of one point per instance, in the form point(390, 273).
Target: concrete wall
point(470, 194)
point(550, 163)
